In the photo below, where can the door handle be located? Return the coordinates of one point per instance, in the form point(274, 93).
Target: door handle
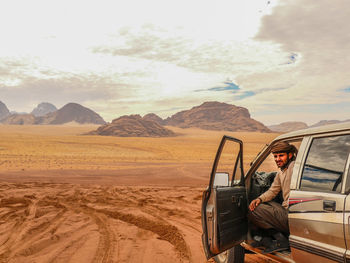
point(237, 199)
point(329, 205)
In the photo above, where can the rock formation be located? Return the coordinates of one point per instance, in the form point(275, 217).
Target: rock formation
point(20, 119)
point(216, 116)
point(71, 112)
point(4, 111)
point(43, 109)
point(133, 126)
point(153, 117)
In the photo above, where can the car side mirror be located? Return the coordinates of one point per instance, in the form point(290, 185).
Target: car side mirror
point(221, 179)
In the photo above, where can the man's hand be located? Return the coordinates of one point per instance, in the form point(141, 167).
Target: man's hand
point(254, 204)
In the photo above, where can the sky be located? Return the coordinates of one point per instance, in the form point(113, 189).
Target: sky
point(282, 60)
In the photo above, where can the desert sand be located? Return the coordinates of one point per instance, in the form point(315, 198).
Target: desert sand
point(68, 197)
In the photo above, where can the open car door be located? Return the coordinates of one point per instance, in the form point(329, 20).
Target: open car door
point(224, 203)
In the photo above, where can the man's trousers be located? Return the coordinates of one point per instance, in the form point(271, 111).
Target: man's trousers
point(270, 215)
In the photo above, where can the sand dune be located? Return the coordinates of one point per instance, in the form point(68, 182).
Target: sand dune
point(71, 198)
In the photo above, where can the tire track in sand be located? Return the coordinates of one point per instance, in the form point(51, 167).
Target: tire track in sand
point(33, 231)
point(104, 248)
point(19, 209)
point(165, 231)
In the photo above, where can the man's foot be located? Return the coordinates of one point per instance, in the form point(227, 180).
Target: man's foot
point(276, 246)
point(280, 244)
point(263, 242)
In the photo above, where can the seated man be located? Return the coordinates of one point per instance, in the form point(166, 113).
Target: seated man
point(271, 216)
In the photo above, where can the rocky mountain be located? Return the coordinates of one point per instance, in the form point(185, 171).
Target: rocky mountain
point(4, 111)
point(71, 112)
point(154, 117)
point(217, 116)
point(20, 119)
point(288, 126)
point(133, 126)
point(43, 109)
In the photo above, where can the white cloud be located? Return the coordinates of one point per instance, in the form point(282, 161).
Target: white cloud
point(318, 32)
point(153, 56)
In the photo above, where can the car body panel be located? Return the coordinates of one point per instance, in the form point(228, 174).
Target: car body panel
point(347, 227)
point(313, 229)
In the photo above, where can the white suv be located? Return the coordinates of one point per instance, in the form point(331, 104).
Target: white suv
point(319, 202)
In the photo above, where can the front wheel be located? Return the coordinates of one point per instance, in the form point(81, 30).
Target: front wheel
point(232, 255)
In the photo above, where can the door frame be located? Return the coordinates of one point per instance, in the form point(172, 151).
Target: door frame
point(208, 193)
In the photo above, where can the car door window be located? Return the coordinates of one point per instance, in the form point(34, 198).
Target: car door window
point(325, 164)
point(229, 160)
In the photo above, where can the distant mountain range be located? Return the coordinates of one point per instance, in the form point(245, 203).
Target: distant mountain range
point(46, 113)
point(71, 112)
point(288, 126)
point(294, 126)
point(327, 122)
point(209, 115)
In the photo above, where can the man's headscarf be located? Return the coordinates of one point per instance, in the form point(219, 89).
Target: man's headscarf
point(284, 147)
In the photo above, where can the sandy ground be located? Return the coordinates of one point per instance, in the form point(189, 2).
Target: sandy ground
point(65, 197)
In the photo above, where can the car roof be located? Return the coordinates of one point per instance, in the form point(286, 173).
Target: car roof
point(316, 130)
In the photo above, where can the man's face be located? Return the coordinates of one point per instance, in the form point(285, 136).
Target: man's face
point(281, 159)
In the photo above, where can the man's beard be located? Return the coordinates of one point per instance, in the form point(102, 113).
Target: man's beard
point(285, 165)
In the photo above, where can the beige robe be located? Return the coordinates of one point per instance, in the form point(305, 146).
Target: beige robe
point(281, 182)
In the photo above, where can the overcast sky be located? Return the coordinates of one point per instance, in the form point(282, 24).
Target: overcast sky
point(283, 60)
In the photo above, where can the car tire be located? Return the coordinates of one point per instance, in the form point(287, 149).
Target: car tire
point(233, 255)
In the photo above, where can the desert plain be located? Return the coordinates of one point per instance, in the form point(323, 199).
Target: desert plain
point(70, 197)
